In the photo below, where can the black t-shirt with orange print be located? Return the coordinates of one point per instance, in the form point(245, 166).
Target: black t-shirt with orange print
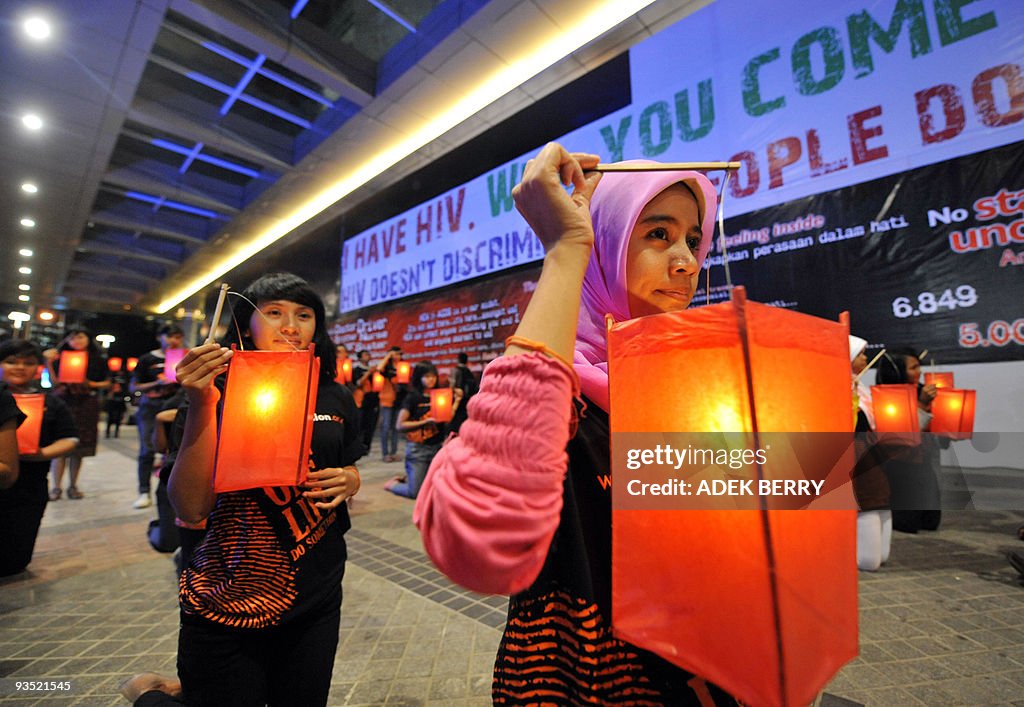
point(270, 555)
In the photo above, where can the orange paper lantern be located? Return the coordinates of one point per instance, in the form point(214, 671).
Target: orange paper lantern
point(896, 419)
point(441, 404)
point(344, 370)
point(114, 364)
point(266, 422)
point(73, 365)
point(172, 357)
point(403, 372)
point(751, 600)
point(132, 363)
point(941, 380)
point(29, 430)
point(378, 381)
point(953, 413)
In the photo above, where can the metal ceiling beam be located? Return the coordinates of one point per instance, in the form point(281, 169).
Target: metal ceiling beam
point(170, 121)
point(133, 226)
point(347, 76)
point(137, 181)
point(95, 289)
point(93, 268)
point(87, 247)
point(73, 281)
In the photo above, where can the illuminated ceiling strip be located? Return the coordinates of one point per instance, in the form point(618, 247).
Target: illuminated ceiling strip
point(209, 159)
point(190, 157)
point(243, 84)
point(177, 205)
point(272, 75)
point(297, 7)
point(254, 102)
point(393, 15)
point(561, 44)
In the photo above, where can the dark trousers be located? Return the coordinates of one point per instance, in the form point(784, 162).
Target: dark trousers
point(368, 414)
point(21, 511)
point(286, 665)
point(145, 418)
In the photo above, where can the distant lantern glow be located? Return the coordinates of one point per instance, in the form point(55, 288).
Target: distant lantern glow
point(28, 223)
point(29, 188)
point(46, 315)
point(73, 365)
point(37, 28)
point(26, 252)
point(32, 121)
point(441, 404)
point(403, 372)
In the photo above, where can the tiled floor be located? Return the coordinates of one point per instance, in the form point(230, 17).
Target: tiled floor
point(941, 624)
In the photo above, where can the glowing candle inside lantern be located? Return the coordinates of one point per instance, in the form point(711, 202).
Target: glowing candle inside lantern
point(114, 364)
point(344, 370)
point(266, 423)
point(378, 381)
point(404, 371)
point(28, 432)
point(73, 365)
point(132, 363)
point(942, 379)
point(953, 413)
point(895, 409)
point(441, 404)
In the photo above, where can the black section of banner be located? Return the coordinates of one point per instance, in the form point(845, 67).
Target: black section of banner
point(932, 258)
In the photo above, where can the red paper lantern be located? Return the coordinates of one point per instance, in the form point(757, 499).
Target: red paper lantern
point(751, 600)
point(132, 363)
point(73, 365)
point(29, 430)
point(441, 404)
point(172, 357)
point(344, 370)
point(266, 422)
point(896, 419)
point(942, 379)
point(403, 372)
point(114, 364)
point(953, 413)
point(378, 381)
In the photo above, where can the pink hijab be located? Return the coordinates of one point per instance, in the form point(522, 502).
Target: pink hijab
point(615, 208)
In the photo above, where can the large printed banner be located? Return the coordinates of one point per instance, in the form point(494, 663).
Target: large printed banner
point(810, 97)
point(932, 258)
point(475, 320)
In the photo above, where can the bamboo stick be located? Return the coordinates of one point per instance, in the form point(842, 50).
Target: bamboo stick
point(216, 311)
point(665, 167)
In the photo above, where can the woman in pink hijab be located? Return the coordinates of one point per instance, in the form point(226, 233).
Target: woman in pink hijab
point(520, 502)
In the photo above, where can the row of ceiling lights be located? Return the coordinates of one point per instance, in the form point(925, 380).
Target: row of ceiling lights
point(37, 29)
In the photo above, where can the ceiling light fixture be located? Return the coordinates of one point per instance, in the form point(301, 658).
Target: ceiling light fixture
point(27, 252)
point(25, 270)
point(37, 28)
point(46, 315)
point(24, 288)
point(28, 223)
point(32, 121)
point(29, 188)
point(546, 53)
point(23, 298)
